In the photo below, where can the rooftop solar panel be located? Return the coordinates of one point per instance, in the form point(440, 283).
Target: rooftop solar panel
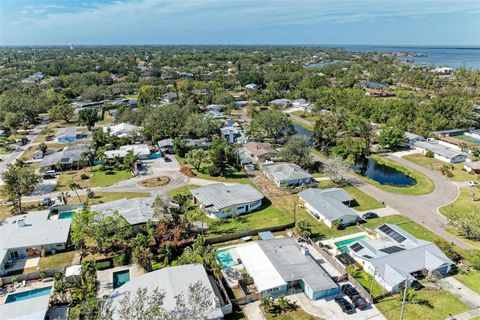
point(391, 249)
point(356, 247)
point(392, 233)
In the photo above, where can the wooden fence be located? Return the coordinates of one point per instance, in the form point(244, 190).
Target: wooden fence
point(246, 233)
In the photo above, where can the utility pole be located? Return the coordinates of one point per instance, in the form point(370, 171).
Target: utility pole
point(404, 296)
point(373, 278)
point(295, 212)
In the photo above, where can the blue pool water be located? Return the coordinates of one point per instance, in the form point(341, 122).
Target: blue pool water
point(342, 245)
point(120, 278)
point(225, 259)
point(155, 156)
point(65, 215)
point(28, 294)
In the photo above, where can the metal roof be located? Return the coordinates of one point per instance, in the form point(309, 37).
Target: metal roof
point(218, 196)
point(172, 281)
point(329, 202)
point(287, 258)
point(29, 309)
point(259, 148)
point(121, 129)
point(135, 211)
point(439, 149)
point(68, 155)
point(137, 149)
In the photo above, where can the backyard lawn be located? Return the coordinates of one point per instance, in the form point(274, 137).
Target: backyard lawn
point(441, 305)
point(97, 178)
point(297, 314)
point(267, 216)
point(60, 259)
point(423, 186)
point(366, 281)
point(362, 201)
point(434, 164)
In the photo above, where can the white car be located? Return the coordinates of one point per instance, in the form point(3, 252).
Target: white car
point(472, 183)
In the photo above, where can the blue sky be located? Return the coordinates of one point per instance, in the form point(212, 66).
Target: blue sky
point(397, 22)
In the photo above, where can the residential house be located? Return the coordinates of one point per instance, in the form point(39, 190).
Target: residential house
point(37, 155)
point(216, 107)
point(280, 267)
point(395, 257)
point(282, 103)
point(440, 152)
point(173, 281)
point(233, 134)
point(443, 70)
point(67, 135)
point(166, 146)
point(215, 114)
point(287, 175)
point(121, 130)
point(34, 307)
point(221, 201)
point(372, 85)
point(473, 133)
point(244, 103)
point(259, 151)
point(412, 138)
point(141, 151)
point(301, 104)
point(251, 87)
point(473, 166)
point(136, 211)
point(330, 206)
point(69, 158)
point(26, 235)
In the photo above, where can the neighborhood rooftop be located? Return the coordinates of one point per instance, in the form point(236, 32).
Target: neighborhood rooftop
point(329, 202)
point(68, 155)
point(135, 211)
point(439, 149)
point(30, 309)
point(286, 171)
point(218, 196)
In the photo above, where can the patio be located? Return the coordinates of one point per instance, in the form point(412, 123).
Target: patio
point(105, 278)
point(22, 264)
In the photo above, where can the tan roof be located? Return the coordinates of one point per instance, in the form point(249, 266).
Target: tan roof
point(475, 165)
point(259, 148)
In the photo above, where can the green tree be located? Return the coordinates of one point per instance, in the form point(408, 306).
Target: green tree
point(87, 117)
point(165, 253)
point(14, 120)
point(303, 228)
point(43, 147)
point(296, 150)
point(270, 124)
point(392, 138)
point(63, 197)
point(62, 112)
point(75, 187)
point(223, 158)
point(147, 94)
point(20, 180)
point(129, 161)
point(196, 158)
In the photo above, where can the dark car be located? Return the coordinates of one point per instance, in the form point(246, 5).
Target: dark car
point(49, 175)
point(360, 303)
point(346, 306)
point(167, 159)
point(46, 202)
point(350, 291)
point(369, 215)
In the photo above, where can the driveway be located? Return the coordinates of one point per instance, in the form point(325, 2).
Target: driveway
point(423, 209)
point(252, 311)
point(462, 292)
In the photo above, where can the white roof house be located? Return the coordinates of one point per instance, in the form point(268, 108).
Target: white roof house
point(69, 156)
point(121, 130)
point(287, 174)
point(328, 205)
point(33, 230)
point(251, 86)
point(275, 263)
point(220, 200)
point(135, 211)
point(172, 281)
point(142, 151)
point(29, 309)
point(395, 254)
point(440, 151)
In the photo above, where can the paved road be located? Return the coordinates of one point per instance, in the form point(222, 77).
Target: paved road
point(423, 209)
point(461, 291)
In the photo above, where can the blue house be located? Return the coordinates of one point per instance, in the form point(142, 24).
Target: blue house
point(66, 135)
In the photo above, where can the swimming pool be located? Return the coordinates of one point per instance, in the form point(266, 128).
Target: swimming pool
point(155, 156)
point(120, 278)
point(28, 294)
point(342, 245)
point(66, 215)
point(225, 259)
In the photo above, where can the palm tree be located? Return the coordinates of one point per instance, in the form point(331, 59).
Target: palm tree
point(266, 303)
point(283, 303)
point(303, 229)
point(63, 197)
point(166, 253)
point(74, 187)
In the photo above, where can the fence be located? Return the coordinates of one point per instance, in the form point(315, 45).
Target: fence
point(238, 235)
point(363, 292)
point(32, 275)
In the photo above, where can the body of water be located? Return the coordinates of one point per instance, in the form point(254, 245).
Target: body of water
point(382, 174)
point(453, 57)
point(299, 130)
point(28, 294)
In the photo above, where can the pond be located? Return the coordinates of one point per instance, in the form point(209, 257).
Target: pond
point(299, 130)
point(381, 173)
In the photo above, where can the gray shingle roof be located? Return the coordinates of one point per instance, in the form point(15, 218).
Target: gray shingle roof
point(328, 202)
point(68, 155)
point(218, 196)
point(286, 171)
point(135, 211)
point(291, 264)
point(172, 281)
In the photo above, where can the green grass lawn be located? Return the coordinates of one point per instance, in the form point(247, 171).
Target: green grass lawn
point(182, 190)
point(470, 279)
point(301, 124)
point(267, 216)
point(366, 281)
point(423, 186)
point(305, 115)
point(434, 164)
point(60, 259)
point(442, 304)
point(98, 178)
point(297, 314)
point(362, 201)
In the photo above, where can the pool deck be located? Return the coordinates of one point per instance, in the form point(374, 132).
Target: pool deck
point(105, 278)
point(27, 263)
point(30, 285)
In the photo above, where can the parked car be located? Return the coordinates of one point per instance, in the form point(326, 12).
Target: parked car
point(167, 159)
point(350, 291)
point(369, 215)
point(50, 174)
point(346, 306)
point(360, 303)
point(47, 202)
point(472, 183)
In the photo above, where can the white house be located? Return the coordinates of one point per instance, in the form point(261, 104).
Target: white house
point(121, 130)
point(440, 151)
point(329, 206)
point(251, 86)
point(395, 257)
point(26, 235)
point(412, 138)
point(142, 151)
point(287, 174)
point(221, 201)
point(474, 134)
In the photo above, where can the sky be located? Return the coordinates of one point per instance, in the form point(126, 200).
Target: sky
point(302, 22)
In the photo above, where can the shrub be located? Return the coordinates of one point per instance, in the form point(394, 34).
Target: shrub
point(187, 171)
point(83, 176)
point(102, 265)
point(429, 154)
point(120, 260)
